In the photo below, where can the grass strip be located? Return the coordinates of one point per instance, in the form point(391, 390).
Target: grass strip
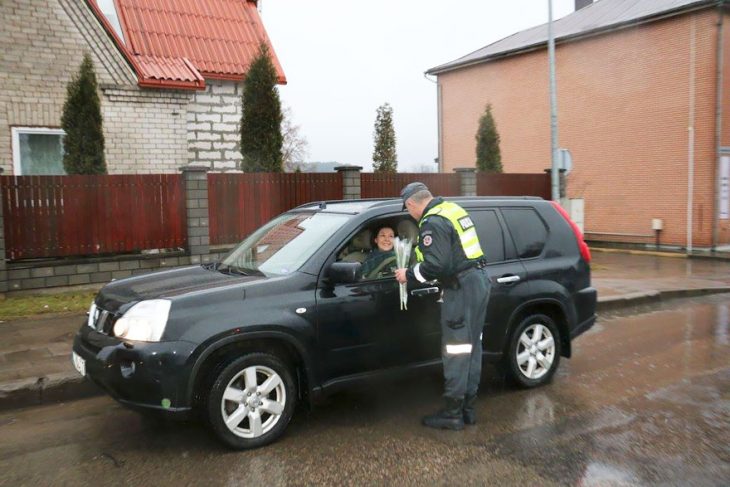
point(25, 306)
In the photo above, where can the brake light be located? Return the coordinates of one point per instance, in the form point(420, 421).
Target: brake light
point(585, 252)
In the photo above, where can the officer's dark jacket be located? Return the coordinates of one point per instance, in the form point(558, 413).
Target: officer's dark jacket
point(443, 255)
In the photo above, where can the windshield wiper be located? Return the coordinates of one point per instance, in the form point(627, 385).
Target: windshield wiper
point(251, 271)
point(231, 270)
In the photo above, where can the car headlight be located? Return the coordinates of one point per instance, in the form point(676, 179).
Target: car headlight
point(93, 314)
point(145, 321)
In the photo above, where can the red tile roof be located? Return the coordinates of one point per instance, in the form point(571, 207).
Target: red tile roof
point(165, 72)
point(177, 43)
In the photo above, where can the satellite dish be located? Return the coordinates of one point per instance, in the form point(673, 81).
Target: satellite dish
point(566, 160)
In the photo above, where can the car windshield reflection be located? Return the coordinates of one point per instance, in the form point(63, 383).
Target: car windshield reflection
point(283, 245)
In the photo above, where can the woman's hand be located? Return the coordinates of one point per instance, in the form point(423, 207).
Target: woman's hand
point(400, 275)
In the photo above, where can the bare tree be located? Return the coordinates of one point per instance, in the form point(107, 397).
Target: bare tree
point(295, 148)
point(426, 167)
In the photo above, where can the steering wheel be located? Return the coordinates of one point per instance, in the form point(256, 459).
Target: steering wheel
point(383, 265)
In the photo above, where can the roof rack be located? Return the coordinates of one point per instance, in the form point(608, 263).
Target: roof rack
point(386, 201)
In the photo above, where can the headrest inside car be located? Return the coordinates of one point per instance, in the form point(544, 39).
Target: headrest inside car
point(408, 229)
point(363, 240)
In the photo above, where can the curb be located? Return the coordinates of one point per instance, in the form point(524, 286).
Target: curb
point(70, 386)
point(646, 297)
point(657, 253)
point(54, 388)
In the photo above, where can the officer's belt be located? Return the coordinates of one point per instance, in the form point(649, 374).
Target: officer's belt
point(480, 264)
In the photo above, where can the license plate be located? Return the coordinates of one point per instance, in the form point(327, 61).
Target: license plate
point(79, 363)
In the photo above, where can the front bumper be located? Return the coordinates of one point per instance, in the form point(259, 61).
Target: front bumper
point(147, 376)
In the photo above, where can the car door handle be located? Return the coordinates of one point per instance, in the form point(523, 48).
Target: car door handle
point(508, 279)
point(424, 291)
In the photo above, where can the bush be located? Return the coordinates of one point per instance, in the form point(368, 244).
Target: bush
point(83, 143)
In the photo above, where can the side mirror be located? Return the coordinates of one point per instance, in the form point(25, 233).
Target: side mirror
point(344, 272)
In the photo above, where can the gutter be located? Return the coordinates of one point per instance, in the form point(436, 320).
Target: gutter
point(702, 4)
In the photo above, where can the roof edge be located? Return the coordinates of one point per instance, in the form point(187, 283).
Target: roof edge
point(699, 5)
point(281, 80)
point(198, 84)
point(113, 35)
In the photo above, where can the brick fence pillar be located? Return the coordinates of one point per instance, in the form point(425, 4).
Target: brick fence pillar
point(350, 182)
point(196, 205)
point(3, 265)
point(468, 177)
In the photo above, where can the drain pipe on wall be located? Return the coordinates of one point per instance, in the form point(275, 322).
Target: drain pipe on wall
point(691, 134)
point(718, 125)
point(439, 155)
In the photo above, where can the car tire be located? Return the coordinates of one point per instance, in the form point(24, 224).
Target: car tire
point(251, 401)
point(534, 351)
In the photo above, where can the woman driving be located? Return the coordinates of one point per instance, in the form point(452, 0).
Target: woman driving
point(380, 260)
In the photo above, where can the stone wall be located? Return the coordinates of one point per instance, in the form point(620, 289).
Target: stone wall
point(213, 120)
point(26, 276)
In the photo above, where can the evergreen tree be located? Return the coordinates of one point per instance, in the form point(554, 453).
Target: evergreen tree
point(385, 158)
point(83, 143)
point(261, 138)
point(489, 158)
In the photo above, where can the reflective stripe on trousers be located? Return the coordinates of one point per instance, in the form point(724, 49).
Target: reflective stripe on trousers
point(458, 349)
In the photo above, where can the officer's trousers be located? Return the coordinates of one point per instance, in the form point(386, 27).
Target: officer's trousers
point(463, 313)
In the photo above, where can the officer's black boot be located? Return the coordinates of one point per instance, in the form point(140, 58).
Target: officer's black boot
point(450, 417)
point(470, 416)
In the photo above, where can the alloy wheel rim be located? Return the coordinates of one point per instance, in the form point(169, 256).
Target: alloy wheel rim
point(535, 351)
point(253, 401)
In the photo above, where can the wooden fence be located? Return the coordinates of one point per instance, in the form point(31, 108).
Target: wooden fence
point(240, 203)
point(60, 216)
point(514, 185)
point(382, 185)
point(57, 216)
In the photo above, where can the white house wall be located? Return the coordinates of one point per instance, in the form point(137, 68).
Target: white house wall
point(213, 122)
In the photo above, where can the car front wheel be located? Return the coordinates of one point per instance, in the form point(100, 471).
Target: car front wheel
point(251, 401)
point(534, 351)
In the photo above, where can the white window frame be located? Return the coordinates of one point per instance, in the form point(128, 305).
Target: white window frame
point(16, 131)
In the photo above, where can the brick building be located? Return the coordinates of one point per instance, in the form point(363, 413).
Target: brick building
point(169, 72)
point(643, 105)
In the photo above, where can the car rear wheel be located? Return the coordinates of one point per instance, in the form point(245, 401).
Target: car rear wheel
point(534, 351)
point(251, 401)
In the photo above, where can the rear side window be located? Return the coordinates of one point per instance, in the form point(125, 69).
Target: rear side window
point(490, 234)
point(528, 231)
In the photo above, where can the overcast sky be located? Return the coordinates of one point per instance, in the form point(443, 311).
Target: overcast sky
point(344, 58)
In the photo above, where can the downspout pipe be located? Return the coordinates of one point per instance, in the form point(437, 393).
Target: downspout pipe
point(718, 121)
point(691, 136)
point(439, 129)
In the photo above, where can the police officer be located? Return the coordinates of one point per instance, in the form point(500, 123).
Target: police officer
point(448, 251)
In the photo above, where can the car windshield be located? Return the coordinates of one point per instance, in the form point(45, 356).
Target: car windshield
point(282, 245)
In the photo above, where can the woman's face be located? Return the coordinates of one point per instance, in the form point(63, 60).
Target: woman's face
point(384, 239)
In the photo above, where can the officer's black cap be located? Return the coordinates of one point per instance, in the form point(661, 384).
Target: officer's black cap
point(410, 189)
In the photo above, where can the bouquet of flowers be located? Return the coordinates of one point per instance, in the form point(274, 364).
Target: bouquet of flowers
point(402, 258)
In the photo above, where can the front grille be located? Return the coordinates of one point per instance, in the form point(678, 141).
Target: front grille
point(102, 320)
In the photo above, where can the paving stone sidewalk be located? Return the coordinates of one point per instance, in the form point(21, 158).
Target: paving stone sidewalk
point(35, 362)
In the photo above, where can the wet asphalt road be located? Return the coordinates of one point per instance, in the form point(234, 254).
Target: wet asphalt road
point(645, 400)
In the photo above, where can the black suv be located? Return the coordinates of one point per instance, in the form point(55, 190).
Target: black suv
point(288, 316)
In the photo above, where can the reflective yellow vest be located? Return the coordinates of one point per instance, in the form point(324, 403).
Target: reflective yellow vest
point(463, 225)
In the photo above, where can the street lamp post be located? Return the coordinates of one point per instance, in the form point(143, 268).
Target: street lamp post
point(554, 175)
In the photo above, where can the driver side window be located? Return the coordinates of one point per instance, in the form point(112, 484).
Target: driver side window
point(373, 247)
